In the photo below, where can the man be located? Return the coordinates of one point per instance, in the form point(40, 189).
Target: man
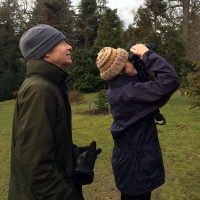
point(45, 164)
point(137, 158)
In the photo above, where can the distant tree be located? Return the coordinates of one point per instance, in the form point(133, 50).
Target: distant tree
point(142, 24)
point(127, 34)
point(186, 7)
point(149, 18)
point(173, 49)
point(154, 25)
point(21, 74)
point(8, 85)
point(110, 30)
point(179, 9)
point(193, 91)
point(85, 75)
point(186, 14)
point(194, 33)
point(86, 21)
point(11, 22)
point(57, 13)
point(9, 39)
point(157, 12)
point(101, 6)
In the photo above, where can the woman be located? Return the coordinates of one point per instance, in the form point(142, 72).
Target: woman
point(137, 158)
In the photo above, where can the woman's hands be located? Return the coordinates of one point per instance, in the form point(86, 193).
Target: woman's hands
point(139, 50)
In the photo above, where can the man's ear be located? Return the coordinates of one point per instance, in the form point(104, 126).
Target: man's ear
point(46, 56)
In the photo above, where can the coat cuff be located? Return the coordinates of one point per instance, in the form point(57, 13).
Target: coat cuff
point(146, 55)
point(83, 176)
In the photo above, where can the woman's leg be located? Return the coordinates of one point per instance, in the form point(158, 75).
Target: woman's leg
point(141, 197)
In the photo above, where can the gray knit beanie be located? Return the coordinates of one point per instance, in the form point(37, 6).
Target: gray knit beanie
point(39, 40)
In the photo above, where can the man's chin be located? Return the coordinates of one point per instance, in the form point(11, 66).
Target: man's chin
point(69, 62)
point(64, 66)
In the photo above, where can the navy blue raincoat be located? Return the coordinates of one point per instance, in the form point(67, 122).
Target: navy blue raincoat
point(137, 158)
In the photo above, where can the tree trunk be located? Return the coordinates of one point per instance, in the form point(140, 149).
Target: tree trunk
point(186, 6)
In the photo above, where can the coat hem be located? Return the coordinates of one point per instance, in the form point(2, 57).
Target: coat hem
point(140, 192)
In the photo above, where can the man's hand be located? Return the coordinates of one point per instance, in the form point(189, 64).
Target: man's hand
point(79, 150)
point(83, 172)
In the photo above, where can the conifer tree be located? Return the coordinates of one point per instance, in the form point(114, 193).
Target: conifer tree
point(85, 22)
point(57, 13)
point(110, 30)
point(154, 25)
point(10, 25)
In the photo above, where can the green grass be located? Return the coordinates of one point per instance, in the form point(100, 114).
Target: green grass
point(179, 139)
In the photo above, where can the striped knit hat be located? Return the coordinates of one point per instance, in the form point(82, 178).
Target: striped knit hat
point(110, 62)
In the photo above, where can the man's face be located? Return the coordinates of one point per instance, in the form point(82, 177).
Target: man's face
point(130, 69)
point(60, 55)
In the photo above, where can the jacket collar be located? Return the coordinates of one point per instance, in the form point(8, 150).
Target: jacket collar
point(47, 69)
point(122, 80)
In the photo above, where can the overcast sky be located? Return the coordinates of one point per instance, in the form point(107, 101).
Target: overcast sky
point(124, 8)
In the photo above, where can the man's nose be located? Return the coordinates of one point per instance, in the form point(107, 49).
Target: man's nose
point(69, 47)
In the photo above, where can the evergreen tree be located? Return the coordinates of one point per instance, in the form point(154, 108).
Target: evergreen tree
point(11, 15)
point(127, 34)
point(85, 75)
point(173, 48)
point(8, 85)
point(86, 23)
point(142, 24)
point(194, 85)
point(110, 30)
point(101, 6)
point(57, 13)
point(154, 25)
point(157, 12)
point(9, 39)
point(149, 18)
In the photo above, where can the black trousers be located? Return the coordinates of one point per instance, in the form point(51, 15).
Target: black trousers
point(141, 197)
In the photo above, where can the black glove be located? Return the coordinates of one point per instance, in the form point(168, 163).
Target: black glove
point(159, 117)
point(79, 150)
point(83, 173)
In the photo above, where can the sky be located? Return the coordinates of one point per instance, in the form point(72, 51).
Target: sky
point(124, 8)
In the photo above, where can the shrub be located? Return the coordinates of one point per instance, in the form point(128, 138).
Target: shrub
point(7, 85)
point(75, 97)
point(194, 85)
point(102, 101)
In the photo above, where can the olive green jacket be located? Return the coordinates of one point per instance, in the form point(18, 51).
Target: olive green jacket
point(42, 158)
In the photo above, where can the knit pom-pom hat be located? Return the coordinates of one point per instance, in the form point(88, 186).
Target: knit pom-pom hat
point(110, 62)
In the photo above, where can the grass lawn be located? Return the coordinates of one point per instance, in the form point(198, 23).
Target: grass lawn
point(179, 139)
